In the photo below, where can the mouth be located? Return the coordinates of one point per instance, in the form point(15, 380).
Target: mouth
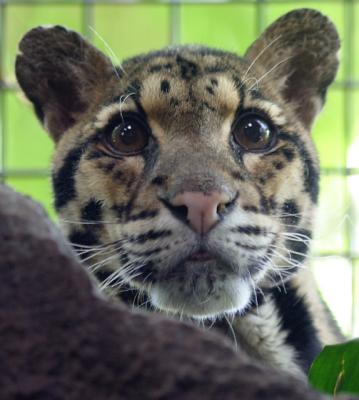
point(201, 255)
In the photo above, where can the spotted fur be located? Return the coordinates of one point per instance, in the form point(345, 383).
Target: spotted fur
point(117, 211)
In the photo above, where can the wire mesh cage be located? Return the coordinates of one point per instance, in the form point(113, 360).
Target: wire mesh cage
point(125, 28)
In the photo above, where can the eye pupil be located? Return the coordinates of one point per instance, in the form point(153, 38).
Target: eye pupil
point(125, 134)
point(128, 137)
point(253, 133)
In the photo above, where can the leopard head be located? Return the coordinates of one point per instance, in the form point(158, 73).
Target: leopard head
point(187, 174)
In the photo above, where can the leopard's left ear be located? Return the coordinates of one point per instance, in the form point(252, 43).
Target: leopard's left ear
point(298, 55)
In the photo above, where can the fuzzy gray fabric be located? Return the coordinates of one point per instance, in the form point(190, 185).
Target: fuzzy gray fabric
point(61, 340)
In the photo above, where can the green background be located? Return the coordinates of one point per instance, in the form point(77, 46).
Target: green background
point(128, 29)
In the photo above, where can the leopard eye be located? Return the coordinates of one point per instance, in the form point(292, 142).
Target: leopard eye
point(128, 138)
point(253, 133)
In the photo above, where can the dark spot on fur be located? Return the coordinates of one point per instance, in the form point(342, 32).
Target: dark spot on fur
point(155, 68)
point(215, 69)
point(92, 211)
point(291, 211)
point(263, 179)
point(85, 238)
point(205, 104)
point(63, 180)
point(158, 180)
point(214, 82)
point(118, 176)
point(107, 167)
point(165, 86)
point(288, 154)
point(278, 165)
point(174, 102)
point(237, 175)
point(210, 90)
point(188, 68)
point(253, 209)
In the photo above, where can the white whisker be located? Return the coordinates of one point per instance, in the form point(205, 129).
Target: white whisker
point(111, 53)
point(259, 55)
point(270, 70)
point(230, 326)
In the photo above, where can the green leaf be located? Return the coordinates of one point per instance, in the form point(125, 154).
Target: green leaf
point(336, 369)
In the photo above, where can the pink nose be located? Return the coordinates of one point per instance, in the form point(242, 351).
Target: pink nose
point(202, 209)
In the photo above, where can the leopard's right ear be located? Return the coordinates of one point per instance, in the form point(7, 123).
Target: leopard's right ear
point(63, 75)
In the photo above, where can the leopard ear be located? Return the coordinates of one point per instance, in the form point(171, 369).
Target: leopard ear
point(62, 74)
point(297, 55)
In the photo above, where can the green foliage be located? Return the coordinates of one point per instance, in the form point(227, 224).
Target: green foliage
point(336, 369)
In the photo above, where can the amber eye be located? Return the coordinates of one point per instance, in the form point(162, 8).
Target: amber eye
point(128, 138)
point(253, 133)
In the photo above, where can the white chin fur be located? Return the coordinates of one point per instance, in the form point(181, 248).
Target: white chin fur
point(233, 296)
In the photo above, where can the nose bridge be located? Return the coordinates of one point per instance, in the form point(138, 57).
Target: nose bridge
point(194, 168)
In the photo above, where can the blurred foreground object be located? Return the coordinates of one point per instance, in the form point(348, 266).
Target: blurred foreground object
point(61, 340)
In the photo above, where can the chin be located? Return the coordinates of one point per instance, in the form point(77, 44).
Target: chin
point(203, 296)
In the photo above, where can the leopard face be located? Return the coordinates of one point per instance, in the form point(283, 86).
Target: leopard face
point(188, 174)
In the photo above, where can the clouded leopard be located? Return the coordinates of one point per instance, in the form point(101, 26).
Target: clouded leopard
point(187, 179)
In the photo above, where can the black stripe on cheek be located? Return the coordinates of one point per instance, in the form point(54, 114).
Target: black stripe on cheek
point(150, 235)
point(63, 181)
point(146, 214)
point(250, 247)
point(249, 208)
point(85, 238)
point(249, 230)
point(311, 173)
point(297, 321)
